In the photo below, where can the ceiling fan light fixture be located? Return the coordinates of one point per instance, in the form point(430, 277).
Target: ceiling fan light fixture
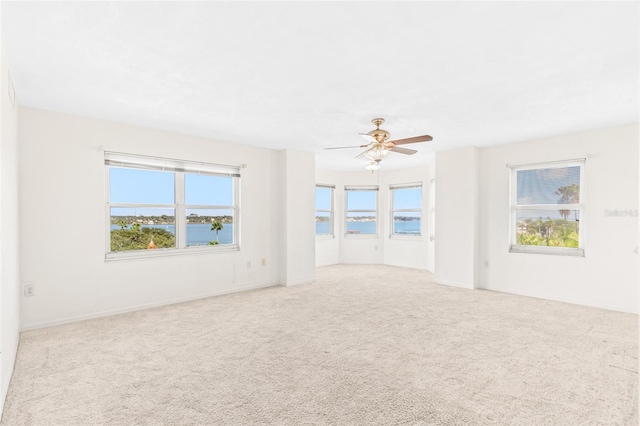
point(376, 154)
point(373, 166)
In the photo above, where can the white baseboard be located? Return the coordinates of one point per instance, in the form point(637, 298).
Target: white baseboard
point(398, 265)
point(535, 295)
point(291, 284)
point(453, 284)
point(140, 307)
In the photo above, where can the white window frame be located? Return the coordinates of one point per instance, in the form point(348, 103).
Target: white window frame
point(348, 189)
point(392, 189)
point(331, 233)
point(179, 168)
point(514, 207)
point(432, 210)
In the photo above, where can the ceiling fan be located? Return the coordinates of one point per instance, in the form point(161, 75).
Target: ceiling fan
point(379, 145)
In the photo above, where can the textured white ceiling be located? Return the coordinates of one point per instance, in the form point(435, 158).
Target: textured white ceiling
point(309, 75)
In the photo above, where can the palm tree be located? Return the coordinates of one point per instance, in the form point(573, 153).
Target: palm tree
point(569, 194)
point(538, 223)
point(548, 229)
point(217, 226)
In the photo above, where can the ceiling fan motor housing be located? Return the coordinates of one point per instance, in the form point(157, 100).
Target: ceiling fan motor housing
point(380, 135)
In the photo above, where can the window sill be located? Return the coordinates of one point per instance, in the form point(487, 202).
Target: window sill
point(325, 237)
point(407, 237)
point(159, 253)
point(557, 251)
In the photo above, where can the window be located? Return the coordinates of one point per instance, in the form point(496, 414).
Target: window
point(324, 210)
point(406, 209)
point(432, 210)
point(162, 206)
point(361, 210)
point(547, 208)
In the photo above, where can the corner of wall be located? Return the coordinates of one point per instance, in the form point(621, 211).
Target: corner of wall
point(297, 185)
point(9, 221)
point(457, 232)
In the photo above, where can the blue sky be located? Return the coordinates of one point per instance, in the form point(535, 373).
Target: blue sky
point(156, 187)
point(410, 198)
point(538, 186)
point(323, 198)
point(140, 186)
point(366, 200)
point(361, 200)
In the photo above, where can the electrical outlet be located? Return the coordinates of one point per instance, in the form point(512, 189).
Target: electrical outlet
point(248, 264)
point(263, 262)
point(486, 263)
point(29, 290)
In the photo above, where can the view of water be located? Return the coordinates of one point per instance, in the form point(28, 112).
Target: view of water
point(400, 227)
point(198, 234)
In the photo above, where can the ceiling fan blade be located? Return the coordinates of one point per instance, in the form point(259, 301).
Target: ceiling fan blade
point(403, 150)
point(345, 147)
point(368, 137)
point(424, 138)
point(363, 152)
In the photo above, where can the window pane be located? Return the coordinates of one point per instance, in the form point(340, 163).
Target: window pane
point(361, 223)
point(407, 198)
point(558, 185)
point(432, 209)
point(208, 190)
point(361, 200)
point(557, 228)
point(323, 223)
point(209, 227)
point(406, 223)
point(323, 198)
point(142, 228)
point(140, 186)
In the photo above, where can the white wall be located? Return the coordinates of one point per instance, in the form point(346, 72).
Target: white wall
point(62, 210)
point(607, 276)
point(457, 216)
point(9, 266)
point(410, 252)
point(297, 217)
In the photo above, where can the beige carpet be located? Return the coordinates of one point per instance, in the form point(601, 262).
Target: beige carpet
point(363, 345)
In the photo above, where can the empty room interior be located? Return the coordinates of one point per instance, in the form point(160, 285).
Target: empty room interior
point(340, 213)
